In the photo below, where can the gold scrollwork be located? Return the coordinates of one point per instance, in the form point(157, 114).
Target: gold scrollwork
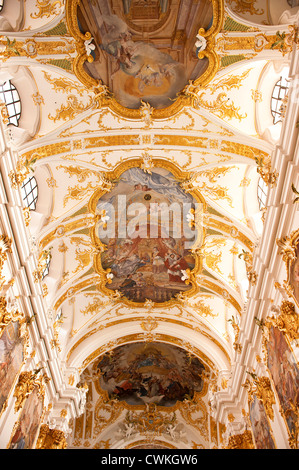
point(106, 99)
point(28, 381)
point(245, 6)
point(47, 8)
point(287, 321)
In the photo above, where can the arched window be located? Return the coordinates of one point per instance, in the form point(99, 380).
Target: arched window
point(47, 268)
point(279, 97)
point(29, 192)
point(262, 191)
point(10, 96)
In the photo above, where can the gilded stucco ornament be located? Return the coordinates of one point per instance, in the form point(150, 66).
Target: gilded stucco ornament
point(205, 42)
point(248, 258)
point(288, 249)
point(5, 247)
point(261, 388)
point(264, 169)
point(42, 263)
point(245, 6)
point(47, 8)
point(7, 316)
point(28, 381)
point(50, 438)
point(286, 320)
point(241, 441)
point(237, 346)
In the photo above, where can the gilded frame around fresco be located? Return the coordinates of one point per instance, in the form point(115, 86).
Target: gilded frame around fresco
point(6, 318)
point(111, 178)
point(105, 99)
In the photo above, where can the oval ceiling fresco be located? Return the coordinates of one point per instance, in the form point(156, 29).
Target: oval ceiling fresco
point(145, 51)
point(147, 228)
point(151, 373)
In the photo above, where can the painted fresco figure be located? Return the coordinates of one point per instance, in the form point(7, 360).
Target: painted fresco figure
point(175, 264)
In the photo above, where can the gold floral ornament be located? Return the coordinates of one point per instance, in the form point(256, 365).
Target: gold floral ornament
point(261, 388)
point(203, 49)
point(148, 326)
point(284, 41)
point(27, 382)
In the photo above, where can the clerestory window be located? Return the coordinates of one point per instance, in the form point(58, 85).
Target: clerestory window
point(10, 96)
point(47, 268)
point(29, 192)
point(262, 192)
point(279, 97)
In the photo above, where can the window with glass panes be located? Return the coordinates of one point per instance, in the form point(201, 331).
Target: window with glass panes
point(30, 192)
point(262, 191)
point(279, 94)
point(10, 96)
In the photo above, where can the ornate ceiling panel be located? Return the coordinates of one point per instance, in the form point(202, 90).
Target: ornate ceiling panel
point(147, 103)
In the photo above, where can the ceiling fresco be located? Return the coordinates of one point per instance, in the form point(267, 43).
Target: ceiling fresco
point(149, 226)
point(156, 373)
point(146, 51)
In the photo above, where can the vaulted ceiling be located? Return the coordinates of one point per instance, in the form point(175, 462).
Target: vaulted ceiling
point(77, 135)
